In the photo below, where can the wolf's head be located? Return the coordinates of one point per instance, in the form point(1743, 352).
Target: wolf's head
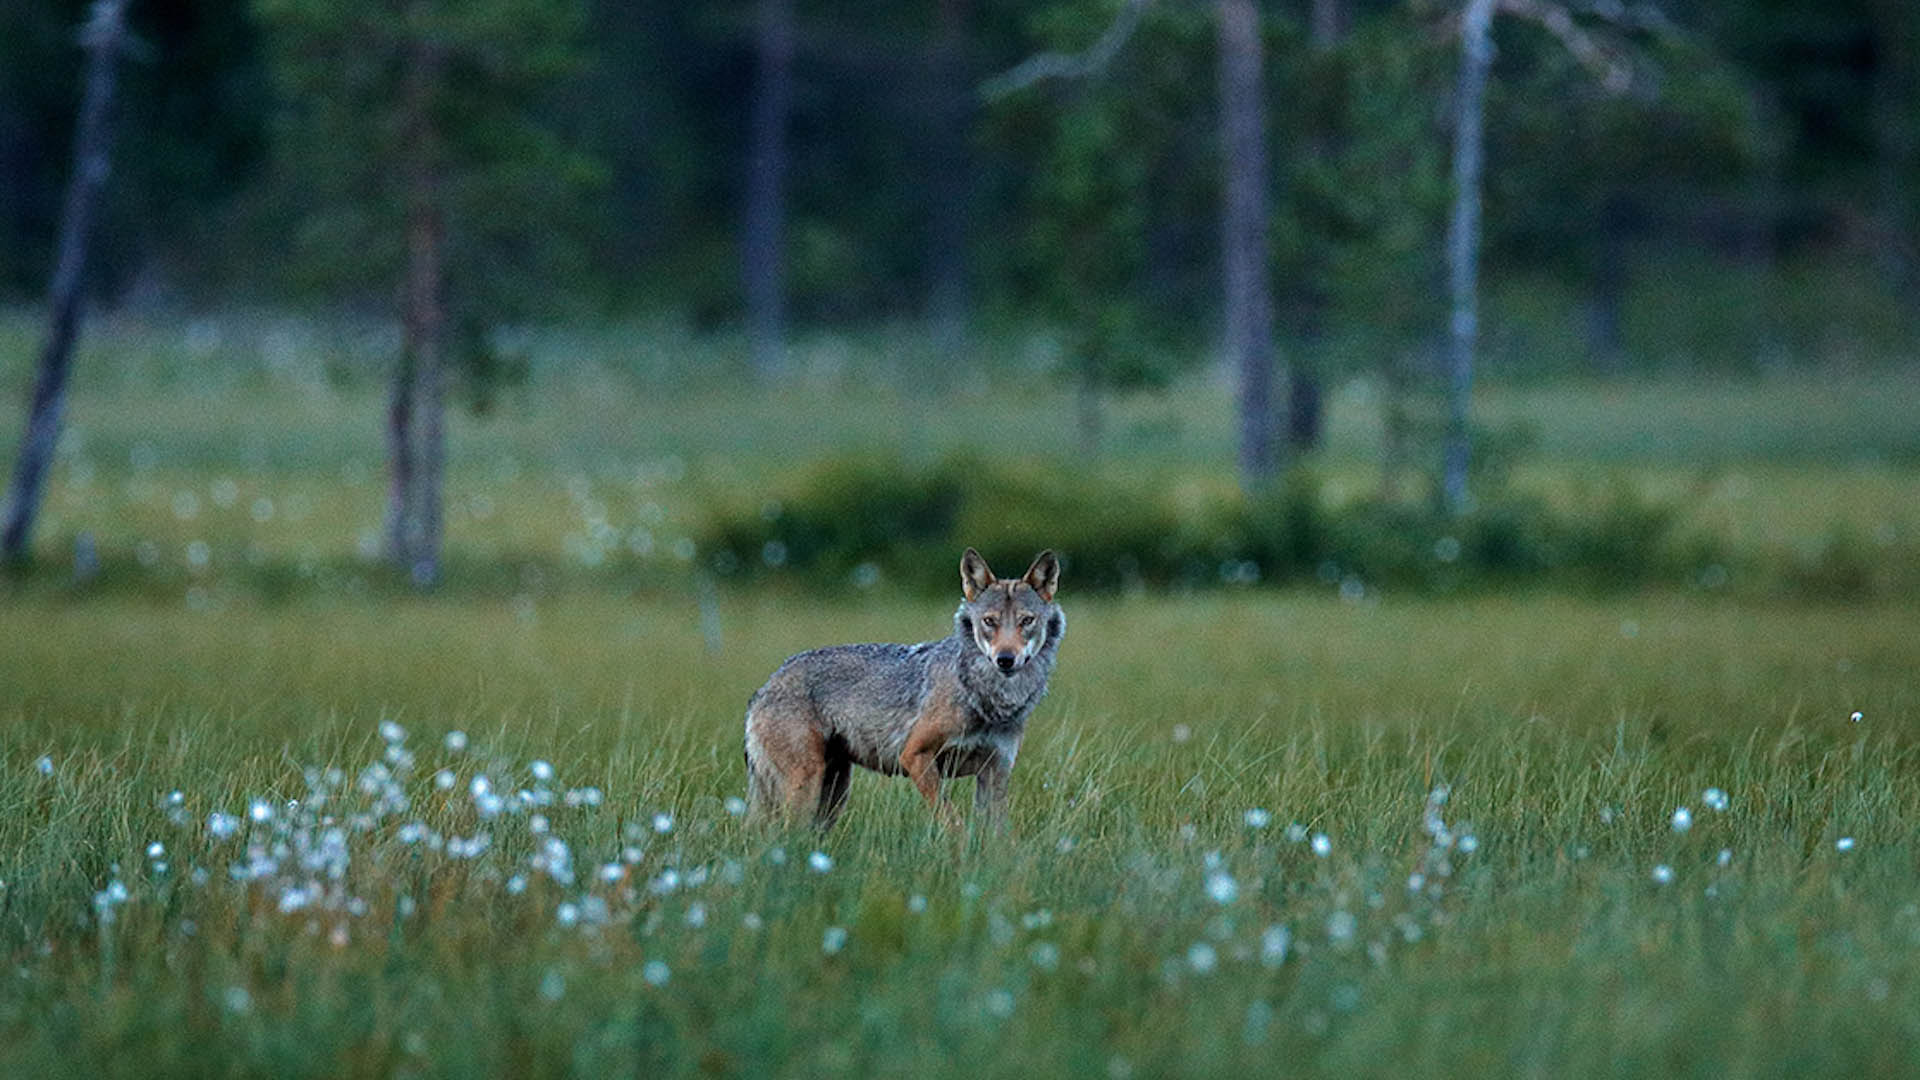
point(1010, 621)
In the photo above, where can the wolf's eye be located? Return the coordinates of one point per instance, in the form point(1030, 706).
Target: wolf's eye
point(1026, 621)
point(990, 622)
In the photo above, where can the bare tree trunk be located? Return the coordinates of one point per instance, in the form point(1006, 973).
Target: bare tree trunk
point(762, 255)
point(1306, 402)
point(1463, 247)
point(1248, 304)
point(400, 461)
point(418, 440)
point(1326, 23)
point(951, 187)
point(92, 161)
point(431, 452)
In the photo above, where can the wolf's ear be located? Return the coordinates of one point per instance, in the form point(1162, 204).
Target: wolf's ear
point(1044, 575)
point(974, 575)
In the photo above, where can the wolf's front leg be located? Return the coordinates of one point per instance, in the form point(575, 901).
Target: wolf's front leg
point(990, 790)
point(917, 762)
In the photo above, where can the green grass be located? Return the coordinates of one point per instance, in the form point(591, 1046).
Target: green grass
point(1568, 730)
point(236, 637)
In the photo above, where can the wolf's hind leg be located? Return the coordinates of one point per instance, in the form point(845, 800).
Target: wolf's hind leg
point(834, 781)
point(786, 760)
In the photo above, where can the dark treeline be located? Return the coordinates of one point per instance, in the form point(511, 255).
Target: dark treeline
point(1627, 145)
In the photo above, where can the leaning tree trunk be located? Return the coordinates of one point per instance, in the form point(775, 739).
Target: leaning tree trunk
point(762, 256)
point(1463, 247)
point(1247, 304)
point(105, 35)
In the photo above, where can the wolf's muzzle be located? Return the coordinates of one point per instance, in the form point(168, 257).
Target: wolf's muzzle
point(1006, 660)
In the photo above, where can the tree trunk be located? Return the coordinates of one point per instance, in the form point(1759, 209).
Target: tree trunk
point(1326, 23)
point(1463, 247)
point(92, 161)
point(400, 459)
point(1306, 401)
point(1247, 304)
point(762, 256)
point(951, 187)
point(417, 415)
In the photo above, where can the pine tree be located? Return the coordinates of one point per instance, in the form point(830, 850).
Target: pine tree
point(414, 143)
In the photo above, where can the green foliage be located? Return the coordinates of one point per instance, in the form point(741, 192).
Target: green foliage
point(468, 88)
point(1363, 185)
point(871, 520)
point(1111, 169)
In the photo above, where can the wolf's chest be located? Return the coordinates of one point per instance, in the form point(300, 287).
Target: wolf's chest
point(972, 750)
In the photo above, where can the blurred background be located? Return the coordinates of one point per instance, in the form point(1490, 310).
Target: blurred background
point(522, 296)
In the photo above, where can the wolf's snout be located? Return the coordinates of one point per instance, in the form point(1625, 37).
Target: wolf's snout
point(1005, 660)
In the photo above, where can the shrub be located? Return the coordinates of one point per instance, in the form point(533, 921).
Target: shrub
point(866, 519)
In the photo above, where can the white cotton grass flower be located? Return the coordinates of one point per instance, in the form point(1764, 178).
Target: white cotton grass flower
point(220, 826)
point(1221, 888)
point(1725, 858)
point(1845, 843)
point(260, 810)
point(391, 731)
point(663, 823)
point(1341, 926)
point(156, 849)
point(1044, 955)
point(553, 986)
point(1258, 818)
point(735, 805)
point(656, 973)
point(1202, 958)
point(1000, 1003)
point(1714, 798)
point(833, 940)
point(44, 765)
point(1274, 943)
point(1662, 874)
point(542, 771)
point(1322, 846)
point(916, 904)
point(1296, 833)
point(444, 780)
point(1682, 819)
point(820, 861)
point(456, 740)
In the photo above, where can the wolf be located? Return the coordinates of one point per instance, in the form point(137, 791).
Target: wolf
point(941, 709)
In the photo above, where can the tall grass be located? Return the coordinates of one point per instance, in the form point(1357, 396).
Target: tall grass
point(1159, 906)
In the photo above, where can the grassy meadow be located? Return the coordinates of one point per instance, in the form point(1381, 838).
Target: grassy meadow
point(266, 813)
